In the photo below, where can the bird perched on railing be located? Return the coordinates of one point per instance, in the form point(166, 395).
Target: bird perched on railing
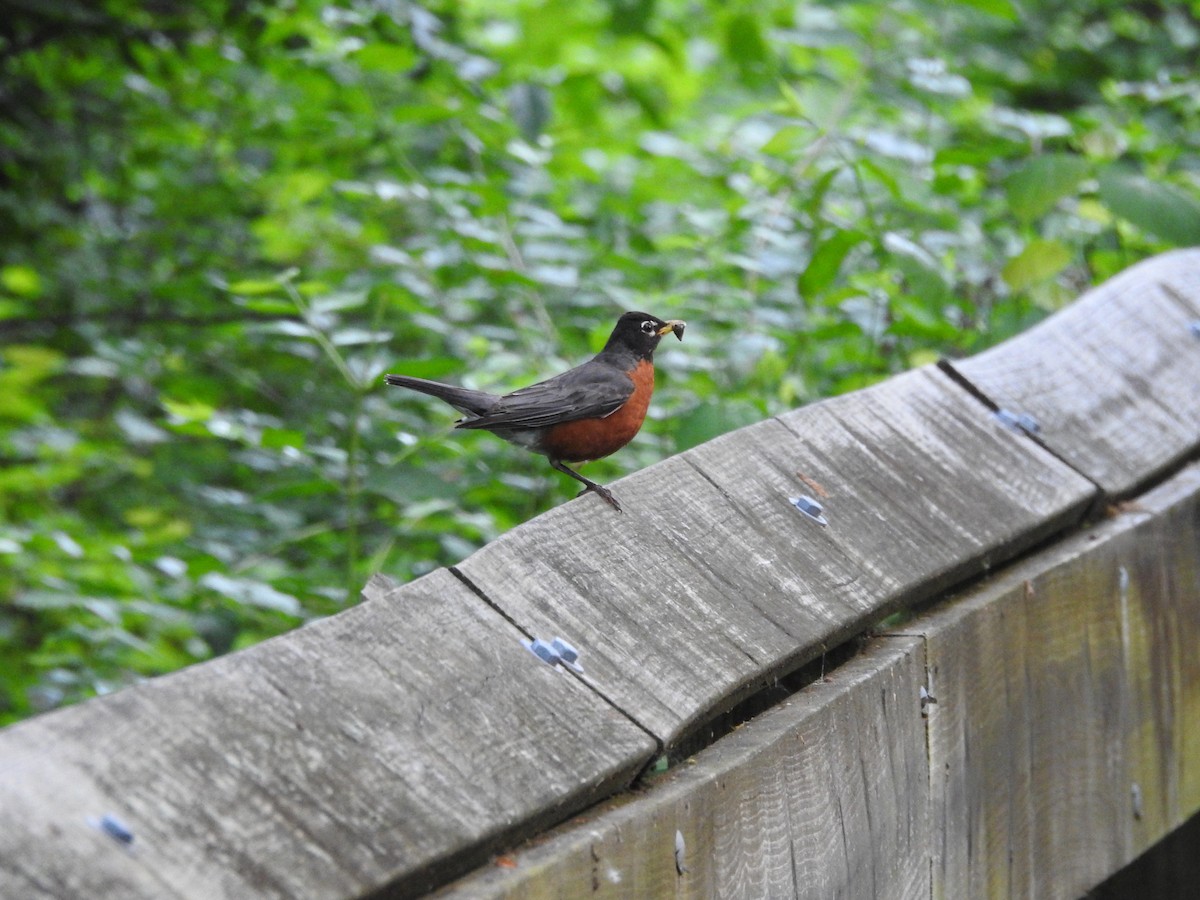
point(583, 414)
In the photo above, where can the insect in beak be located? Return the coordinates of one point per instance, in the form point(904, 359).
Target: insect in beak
point(676, 326)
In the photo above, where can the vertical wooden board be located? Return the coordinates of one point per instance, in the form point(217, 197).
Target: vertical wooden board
point(823, 796)
point(1079, 790)
point(1030, 785)
point(1112, 378)
point(1061, 685)
point(1147, 634)
point(877, 740)
point(982, 846)
point(392, 745)
point(1182, 585)
point(712, 582)
point(1158, 576)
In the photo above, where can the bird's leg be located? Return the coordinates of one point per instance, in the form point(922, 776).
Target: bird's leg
point(600, 489)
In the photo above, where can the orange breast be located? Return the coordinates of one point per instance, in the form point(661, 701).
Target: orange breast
point(586, 439)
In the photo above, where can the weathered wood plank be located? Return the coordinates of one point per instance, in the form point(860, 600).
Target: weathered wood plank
point(1112, 378)
point(1061, 684)
point(712, 582)
point(394, 744)
point(823, 796)
point(1063, 741)
point(1158, 582)
point(344, 759)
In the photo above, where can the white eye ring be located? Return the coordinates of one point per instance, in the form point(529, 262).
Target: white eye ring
point(649, 327)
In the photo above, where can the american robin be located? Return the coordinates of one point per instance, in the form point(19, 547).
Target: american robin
point(583, 414)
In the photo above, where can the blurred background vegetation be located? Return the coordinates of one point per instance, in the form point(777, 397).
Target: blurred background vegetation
point(224, 221)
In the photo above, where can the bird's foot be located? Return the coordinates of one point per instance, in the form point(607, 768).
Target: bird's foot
point(604, 493)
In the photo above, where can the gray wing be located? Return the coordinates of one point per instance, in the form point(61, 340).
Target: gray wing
point(590, 391)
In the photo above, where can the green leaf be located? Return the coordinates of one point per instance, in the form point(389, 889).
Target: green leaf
point(787, 139)
point(338, 301)
point(745, 45)
point(914, 317)
point(883, 176)
point(1161, 209)
point(1039, 261)
point(255, 287)
point(277, 438)
point(1036, 187)
point(187, 411)
point(29, 363)
point(826, 262)
point(268, 305)
point(435, 367)
point(820, 188)
point(390, 58)
point(1000, 8)
point(21, 280)
point(630, 16)
point(922, 273)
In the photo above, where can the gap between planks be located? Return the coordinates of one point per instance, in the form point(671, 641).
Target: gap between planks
point(581, 677)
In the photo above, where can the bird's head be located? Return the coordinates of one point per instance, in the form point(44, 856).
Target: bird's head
point(641, 332)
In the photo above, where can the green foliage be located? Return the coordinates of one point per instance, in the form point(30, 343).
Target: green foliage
point(1161, 209)
point(1036, 187)
point(226, 221)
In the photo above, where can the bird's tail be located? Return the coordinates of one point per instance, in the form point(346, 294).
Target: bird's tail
point(472, 403)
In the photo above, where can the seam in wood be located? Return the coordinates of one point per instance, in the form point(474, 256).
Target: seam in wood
point(1179, 297)
point(931, 687)
point(733, 504)
point(474, 589)
point(586, 682)
point(962, 381)
point(947, 367)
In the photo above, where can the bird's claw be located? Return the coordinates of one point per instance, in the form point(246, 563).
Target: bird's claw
point(604, 493)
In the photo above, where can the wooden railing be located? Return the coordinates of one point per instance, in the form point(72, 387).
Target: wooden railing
point(394, 747)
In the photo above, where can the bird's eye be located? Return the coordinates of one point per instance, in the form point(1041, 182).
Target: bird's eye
point(649, 327)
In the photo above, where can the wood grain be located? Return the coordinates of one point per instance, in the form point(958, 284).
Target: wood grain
point(387, 749)
point(1112, 378)
point(391, 745)
point(1067, 687)
point(823, 796)
point(1061, 683)
point(712, 583)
